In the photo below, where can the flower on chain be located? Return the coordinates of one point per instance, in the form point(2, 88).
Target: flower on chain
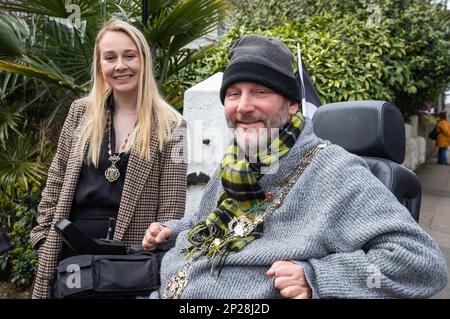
point(269, 197)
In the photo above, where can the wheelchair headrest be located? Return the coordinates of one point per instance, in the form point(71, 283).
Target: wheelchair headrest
point(365, 128)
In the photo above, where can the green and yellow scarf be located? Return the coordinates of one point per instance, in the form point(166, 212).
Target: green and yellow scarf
point(242, 196)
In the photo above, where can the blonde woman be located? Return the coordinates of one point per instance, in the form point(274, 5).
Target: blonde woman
point(121, 154)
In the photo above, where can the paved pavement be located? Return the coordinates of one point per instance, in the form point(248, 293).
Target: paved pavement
point(435, 209)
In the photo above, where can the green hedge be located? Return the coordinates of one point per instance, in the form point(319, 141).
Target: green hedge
point(340, 55)
point(420, 29)
point(18, 217)
point(404, 59)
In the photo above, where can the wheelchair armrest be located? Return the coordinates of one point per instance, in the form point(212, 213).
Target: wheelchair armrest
point(83, 244)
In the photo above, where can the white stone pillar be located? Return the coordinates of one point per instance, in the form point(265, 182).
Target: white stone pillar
point(208, 134)
point(415, 145)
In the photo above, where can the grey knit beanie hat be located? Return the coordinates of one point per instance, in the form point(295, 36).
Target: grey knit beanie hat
point(263, 60)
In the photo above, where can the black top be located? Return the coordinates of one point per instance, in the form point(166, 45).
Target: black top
point(96, 199)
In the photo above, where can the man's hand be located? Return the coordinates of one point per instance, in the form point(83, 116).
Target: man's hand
point(290, 280)
point(155, 235)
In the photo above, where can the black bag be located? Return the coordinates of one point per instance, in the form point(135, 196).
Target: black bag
point(106, 276)
point(5, 244)
point(433, 134)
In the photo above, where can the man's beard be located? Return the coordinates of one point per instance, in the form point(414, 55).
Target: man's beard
point(256, 140)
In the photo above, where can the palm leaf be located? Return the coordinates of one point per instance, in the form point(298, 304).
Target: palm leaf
point(18, 161)
point(69, 48)
point(13, 32)
point(155, 7)
point(9, 120)
point(44, 71)
point(173, 27)
point(61, 54)
point(8, 84)
point(52, 8)
point(15, 61)
point(187, 21)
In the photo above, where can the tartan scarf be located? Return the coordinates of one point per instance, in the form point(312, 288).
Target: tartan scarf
point(242, 195)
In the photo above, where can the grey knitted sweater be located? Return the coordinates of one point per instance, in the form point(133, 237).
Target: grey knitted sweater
point(348, 231)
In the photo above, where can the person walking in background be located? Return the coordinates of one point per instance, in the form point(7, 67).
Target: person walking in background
point(116, 154)
point(443, 137)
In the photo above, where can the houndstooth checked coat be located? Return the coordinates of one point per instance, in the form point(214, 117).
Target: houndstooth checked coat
point(154, 190)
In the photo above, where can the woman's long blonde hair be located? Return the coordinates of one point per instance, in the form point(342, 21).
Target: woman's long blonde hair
point(149, 103)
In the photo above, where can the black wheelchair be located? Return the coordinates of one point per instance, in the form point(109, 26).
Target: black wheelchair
point(103, 268)
point(375, 131)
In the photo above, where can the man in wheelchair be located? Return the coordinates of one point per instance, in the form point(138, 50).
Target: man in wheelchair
point(301, 218)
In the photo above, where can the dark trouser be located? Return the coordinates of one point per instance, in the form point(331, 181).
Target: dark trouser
point(442, 155)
